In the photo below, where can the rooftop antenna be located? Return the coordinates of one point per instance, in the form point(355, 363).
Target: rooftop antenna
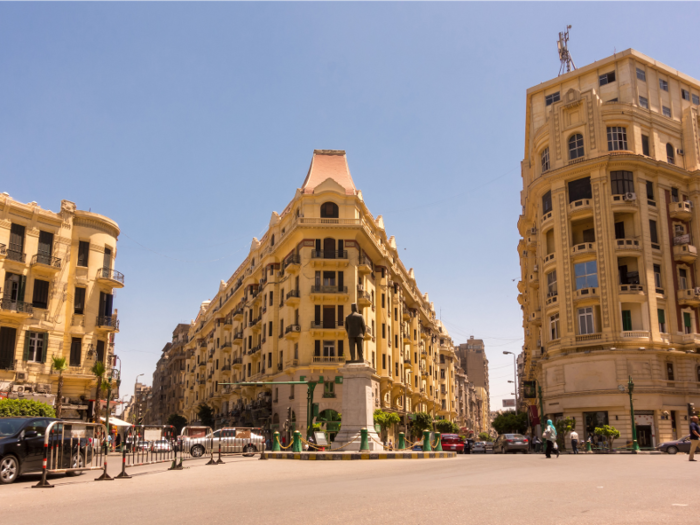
point(564, 55)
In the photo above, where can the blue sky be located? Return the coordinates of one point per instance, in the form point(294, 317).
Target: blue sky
point(189, 124)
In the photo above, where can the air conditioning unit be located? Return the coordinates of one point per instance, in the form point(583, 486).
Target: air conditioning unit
point(19, 389)
point(43, 388)
point(697, 290)
point(533, 231)
point(689, 203)
point(679, 151)
point(28, 389)
point(21, 376)
point(535, 268)
point(630, 196)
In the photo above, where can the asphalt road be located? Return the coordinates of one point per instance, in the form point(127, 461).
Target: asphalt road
point(480, 489)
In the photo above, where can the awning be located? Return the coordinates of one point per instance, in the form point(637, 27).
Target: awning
point(116, 422)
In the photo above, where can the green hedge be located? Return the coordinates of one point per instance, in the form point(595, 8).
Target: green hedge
point(25, 407)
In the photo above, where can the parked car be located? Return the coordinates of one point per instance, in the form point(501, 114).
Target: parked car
point(679, 445)
point(161, 445)
point(479, 447)
point(236, 440)
point(511, 443)
point(452, 443)
point(417, 448)
point(22, 448)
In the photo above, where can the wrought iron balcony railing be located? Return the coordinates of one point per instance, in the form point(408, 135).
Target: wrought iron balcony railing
point(16, 306)
point(108, 321)
point(47, 260)
point(16, 255)
point(108, 273)
point(329, 254)
point(329, 289)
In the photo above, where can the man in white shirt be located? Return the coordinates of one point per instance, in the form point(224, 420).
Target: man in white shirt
point(574, 441)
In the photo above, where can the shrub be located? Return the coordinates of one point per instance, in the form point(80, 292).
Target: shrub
point(510, 422)
point(609, 433)
point(446, 427)
point(485, 436)
point(26, 408)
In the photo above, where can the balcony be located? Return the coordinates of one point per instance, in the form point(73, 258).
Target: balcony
point(45, 263)
point(681, 211)
point(292, 331)
point(550, 261)
point(631, 289)
point(329, 292)
point(686, 253)
point(110, 277)
point(546, 219)
point(329, 258)
point(293, 297)
point(237, 362)
point(292, 263)
point(226, 346)
point(238, 314)
point(627, 245)
point(3, 250)
point(363, 298)
point(626, 201)
point(228, 323)
point(255, 323)
point(689, 297)
point(635, 334)
point(365, 265)
point(586, 248)
point(536, 317)
point(581, 207)
point(328, 328)
point(586, 293)
point(15, 308)
point(108, 323)
point(588, 338)
point(329, 359)
point(238, 338)
point(534, 281)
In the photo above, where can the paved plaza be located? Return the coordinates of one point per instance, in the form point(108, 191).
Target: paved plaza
point(586, 489)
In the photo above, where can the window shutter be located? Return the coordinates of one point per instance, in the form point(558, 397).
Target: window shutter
point(27, 336)
point(340, 348)
point(340, 281)
point(22, 286)
point(662, 316)
point(317, 314)
point(341, 247)
point(318, 245)
point(686, 319)
point(626, 320)
point(341, 316)
point(45, 347)
point(317, 348)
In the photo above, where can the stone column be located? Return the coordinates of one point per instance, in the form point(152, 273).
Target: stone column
point(358, 408)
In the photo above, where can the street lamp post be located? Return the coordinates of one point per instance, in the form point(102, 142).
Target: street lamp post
point(630, 390)
point(515, 378)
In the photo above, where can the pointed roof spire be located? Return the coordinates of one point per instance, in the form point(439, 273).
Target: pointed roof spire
point(329, 164)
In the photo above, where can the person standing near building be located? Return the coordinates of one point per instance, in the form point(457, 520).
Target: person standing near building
point(694, 437)
point(550, 434)
point(574, 441)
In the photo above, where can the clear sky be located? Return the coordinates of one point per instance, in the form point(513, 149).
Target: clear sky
point(189, 124)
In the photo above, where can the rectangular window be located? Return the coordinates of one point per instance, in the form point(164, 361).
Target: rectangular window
point(627, 320)
point(657, 278)
point(396, 340)
point(328, 348)
point(40, 298)
point(674, 194)
point(621, 182)
point(547, 202)
point(645, 145)
point(101, 351)
point(641, 75)
point(554, 327)
point(663, 85)
point(383, 331)
point(686, 322)
point(545, 160)
point(75, 351)
point(669, 372)
point(551, 99)
point(79, 301)
point(586, 275)
point(585, 321)
point(552, 284)
point(643, 102)
point(35, 347)
point(685, 94)
point(683, 278)
point(662, 320)
point(340, 347)
point(83, 253)
point(607, 78)
point(619, 230)
point(666, 111)
point(383, 300)
point(653, 234)
point(7, 347)
point(383, 361)
point(696, 100)
point(580, 189)
point(617, 138)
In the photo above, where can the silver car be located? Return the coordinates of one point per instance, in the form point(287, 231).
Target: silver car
point(232, 440)
point(511, 443)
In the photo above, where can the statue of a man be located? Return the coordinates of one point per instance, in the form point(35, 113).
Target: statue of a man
point(355, 327)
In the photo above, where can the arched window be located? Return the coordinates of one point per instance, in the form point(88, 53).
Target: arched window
point(575, 146)
point(545, 159)
point(272, 240)
point(329, 210)
point(670, 154)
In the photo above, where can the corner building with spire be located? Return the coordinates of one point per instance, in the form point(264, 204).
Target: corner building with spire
point(609, 287)
point(280, 317)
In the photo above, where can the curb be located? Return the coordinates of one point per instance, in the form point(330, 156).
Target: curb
point(348, 456)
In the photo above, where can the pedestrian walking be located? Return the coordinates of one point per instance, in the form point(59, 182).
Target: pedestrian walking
point(694, 437)
point(550, 434)
point(574, 441)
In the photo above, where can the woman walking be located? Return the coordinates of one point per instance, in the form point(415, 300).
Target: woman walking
point(550, 434)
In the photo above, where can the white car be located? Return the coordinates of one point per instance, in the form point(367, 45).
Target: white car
point(479, 447)
point(232, 440)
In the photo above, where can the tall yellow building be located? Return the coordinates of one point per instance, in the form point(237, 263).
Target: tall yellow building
point(58, 277)
point(609, 286)
point(280, 315)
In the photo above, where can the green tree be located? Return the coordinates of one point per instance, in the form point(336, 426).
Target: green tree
point(59, 364)
point(385, 420)
point(510, 422)
point(25, 408)
point(485, 436)
point(564, 426)
point(609, 433)
point(422, 421)
point(446, 427)
point(206, 415)
point(98, 370)
point(178, 421)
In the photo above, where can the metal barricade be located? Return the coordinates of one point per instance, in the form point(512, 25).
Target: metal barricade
point(147, 445)
point(72, 447)
point(199, 442)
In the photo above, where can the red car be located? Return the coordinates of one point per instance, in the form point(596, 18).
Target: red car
point(452, 443)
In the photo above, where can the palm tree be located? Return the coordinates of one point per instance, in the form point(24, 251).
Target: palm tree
point(99, 370)
point(59, 364)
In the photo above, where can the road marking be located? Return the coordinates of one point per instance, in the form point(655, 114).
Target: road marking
point(600, 487)
point(679, 504)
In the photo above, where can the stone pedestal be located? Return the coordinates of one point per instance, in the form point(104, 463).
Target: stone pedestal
point(358, 408)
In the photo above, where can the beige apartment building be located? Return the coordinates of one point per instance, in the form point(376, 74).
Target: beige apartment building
point(58, 277)
point(608, 254)
point(168, 387)
point(473, 360)
point(280, 316)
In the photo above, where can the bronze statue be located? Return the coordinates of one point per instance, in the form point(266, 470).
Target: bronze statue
point(355, 327)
